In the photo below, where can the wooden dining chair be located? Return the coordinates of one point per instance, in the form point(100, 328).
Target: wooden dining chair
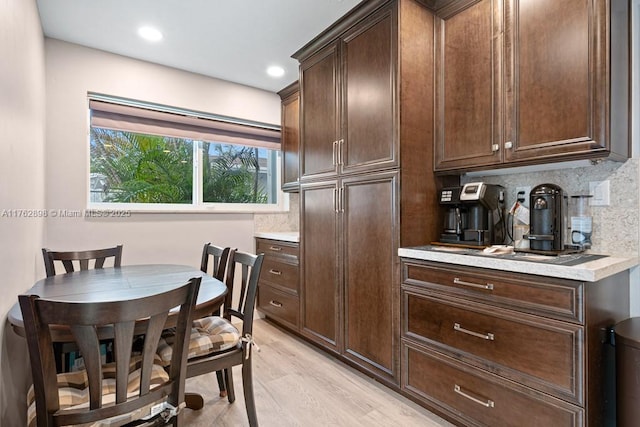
point(131, 388)
point(215, 260)
point(69, 260)
point(216, 344)
point(81, 258)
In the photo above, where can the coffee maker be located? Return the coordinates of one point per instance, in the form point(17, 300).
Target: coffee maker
point(485, 213)
point(455, 215)
point(474, 214)
point(548, 210)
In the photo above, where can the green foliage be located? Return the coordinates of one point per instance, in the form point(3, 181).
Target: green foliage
point(155, 169)
point(231, 175)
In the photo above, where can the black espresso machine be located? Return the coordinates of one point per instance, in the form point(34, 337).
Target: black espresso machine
point(548, 203)
point(474, 214)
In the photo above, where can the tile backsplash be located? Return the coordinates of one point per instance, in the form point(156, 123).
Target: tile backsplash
point(285, 221)
point(616, 228)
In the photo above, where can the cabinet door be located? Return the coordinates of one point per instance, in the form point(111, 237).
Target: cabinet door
point(320, 288)
point(556, 78)
point(369, 231)
point(290, 140)
point(320, 124)
point(369, 55)
point(468, 86)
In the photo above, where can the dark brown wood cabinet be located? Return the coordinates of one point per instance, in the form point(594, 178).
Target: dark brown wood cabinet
point(320, 121)
point(486, 347)
point(347, 99)
point(290, 141)
point(521, 82)
point(278, 288)
point(344, 292)
point(321, 293)
point(366, 102)
point(468, 97)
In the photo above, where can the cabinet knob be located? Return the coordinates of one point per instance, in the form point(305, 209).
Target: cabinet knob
point(495, 147)
point(508, 144)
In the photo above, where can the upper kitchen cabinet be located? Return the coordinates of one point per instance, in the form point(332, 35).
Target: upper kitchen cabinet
point(320, 121)
point(529, 82)
point(290, 142)
point(348, 100)
point(468, 85)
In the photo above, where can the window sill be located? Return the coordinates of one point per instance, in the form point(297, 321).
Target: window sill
point(126, 209)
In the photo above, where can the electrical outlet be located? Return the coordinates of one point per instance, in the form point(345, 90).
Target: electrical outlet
point(525, 194)
point(600, 192)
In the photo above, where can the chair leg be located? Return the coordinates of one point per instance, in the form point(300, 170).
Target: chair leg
point(247, 386)
point(228, 378)
point(221, 384)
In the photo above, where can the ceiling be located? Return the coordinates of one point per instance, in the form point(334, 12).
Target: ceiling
point(234, 40)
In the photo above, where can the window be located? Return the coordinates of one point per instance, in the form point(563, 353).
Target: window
point(148, 157)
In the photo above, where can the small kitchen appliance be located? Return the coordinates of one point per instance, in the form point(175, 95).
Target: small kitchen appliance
point(474, 214)
point(485, 213)
point(548, 210)
point(455, 215)
point(579, 223)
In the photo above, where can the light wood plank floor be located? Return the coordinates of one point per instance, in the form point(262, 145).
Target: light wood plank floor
point(298, 385)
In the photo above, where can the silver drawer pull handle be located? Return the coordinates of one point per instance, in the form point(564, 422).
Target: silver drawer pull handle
point(488, 404)
point(275, 248)
point(276, 272)
point(275, 303)
point(488, 286)
point(489, 336)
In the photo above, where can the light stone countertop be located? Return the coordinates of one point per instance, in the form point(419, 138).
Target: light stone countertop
point(590, 271)
point(285, 236)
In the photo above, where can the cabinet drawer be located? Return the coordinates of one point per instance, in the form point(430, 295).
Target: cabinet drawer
point(558, 298)
point(280, 274)
point(279, 305)
point(277, 248)
point(477, 398)
point(541, 353)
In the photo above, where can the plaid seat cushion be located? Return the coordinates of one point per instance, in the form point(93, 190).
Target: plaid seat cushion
point(73, 390)
point(208, 335)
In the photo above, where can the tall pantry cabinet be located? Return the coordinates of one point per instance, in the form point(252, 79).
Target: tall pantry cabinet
point(366, 181)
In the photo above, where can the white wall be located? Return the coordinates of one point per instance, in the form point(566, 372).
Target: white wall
point(21, 184)
point(71, 72)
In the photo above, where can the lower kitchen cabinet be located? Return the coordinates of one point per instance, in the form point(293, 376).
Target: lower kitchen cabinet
point(278, 296)
point(349, 257)
point(478, 398)
point(488, 347)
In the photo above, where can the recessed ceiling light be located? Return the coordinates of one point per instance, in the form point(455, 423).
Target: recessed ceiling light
point(275, 71)
point(150, 33)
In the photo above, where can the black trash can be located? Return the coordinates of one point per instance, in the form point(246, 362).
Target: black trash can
point(628, 372)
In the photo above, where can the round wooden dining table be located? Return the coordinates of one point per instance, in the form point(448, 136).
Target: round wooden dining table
point(122, 283)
